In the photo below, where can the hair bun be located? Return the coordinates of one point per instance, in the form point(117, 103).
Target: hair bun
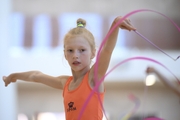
point(81, 23)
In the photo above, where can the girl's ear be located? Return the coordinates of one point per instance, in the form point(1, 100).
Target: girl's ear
point(65, 55)
point(93, 53)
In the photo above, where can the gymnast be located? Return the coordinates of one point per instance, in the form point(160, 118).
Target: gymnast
point(79, 50)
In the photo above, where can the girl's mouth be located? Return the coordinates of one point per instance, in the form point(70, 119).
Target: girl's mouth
point(76, 63)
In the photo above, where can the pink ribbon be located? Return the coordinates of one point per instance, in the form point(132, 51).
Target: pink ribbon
point(136, 102)
point(98, 82)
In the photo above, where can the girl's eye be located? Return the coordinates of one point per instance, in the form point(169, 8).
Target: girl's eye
point(82, 50)
point(70, 50)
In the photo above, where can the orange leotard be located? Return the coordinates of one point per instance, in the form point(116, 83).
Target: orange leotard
point(75, 99)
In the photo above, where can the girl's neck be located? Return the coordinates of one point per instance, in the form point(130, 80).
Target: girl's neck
point(79, 74)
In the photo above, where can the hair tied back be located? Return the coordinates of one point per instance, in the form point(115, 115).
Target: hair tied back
point(81, 23)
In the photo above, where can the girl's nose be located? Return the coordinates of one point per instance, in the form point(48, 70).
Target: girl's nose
point(76, 55)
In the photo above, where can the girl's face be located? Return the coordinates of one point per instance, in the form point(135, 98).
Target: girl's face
point(78, 53)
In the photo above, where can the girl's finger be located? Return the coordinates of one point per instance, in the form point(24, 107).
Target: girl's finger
point(126, 26)
point(129, 23)
point(4, 77)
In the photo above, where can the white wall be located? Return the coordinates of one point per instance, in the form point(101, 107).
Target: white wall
point(8, 101)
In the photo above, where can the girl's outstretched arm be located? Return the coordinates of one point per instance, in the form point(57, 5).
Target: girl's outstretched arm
point(172, 85)
point(106, 52)
point(36, 76)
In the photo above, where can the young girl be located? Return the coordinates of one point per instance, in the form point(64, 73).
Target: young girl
point(79, 50)
point(173, 86)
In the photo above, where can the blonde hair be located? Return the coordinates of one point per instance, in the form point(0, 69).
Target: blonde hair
point(81, 30)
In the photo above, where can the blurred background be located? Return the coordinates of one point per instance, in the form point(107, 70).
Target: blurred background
point(31, 38)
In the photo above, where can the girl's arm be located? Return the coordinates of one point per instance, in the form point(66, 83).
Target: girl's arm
point(173, 86)
point(36, 76)
point(105, 54)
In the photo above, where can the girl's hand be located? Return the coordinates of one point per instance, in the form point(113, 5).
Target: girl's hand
point(126, 24)
point(8, 79)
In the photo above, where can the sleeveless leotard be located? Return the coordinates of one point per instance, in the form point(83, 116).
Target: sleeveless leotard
point(75, 99)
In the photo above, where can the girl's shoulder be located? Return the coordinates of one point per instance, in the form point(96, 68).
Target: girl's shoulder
point(63, 79)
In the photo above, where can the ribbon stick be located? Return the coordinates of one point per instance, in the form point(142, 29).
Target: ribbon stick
point(155, 45)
